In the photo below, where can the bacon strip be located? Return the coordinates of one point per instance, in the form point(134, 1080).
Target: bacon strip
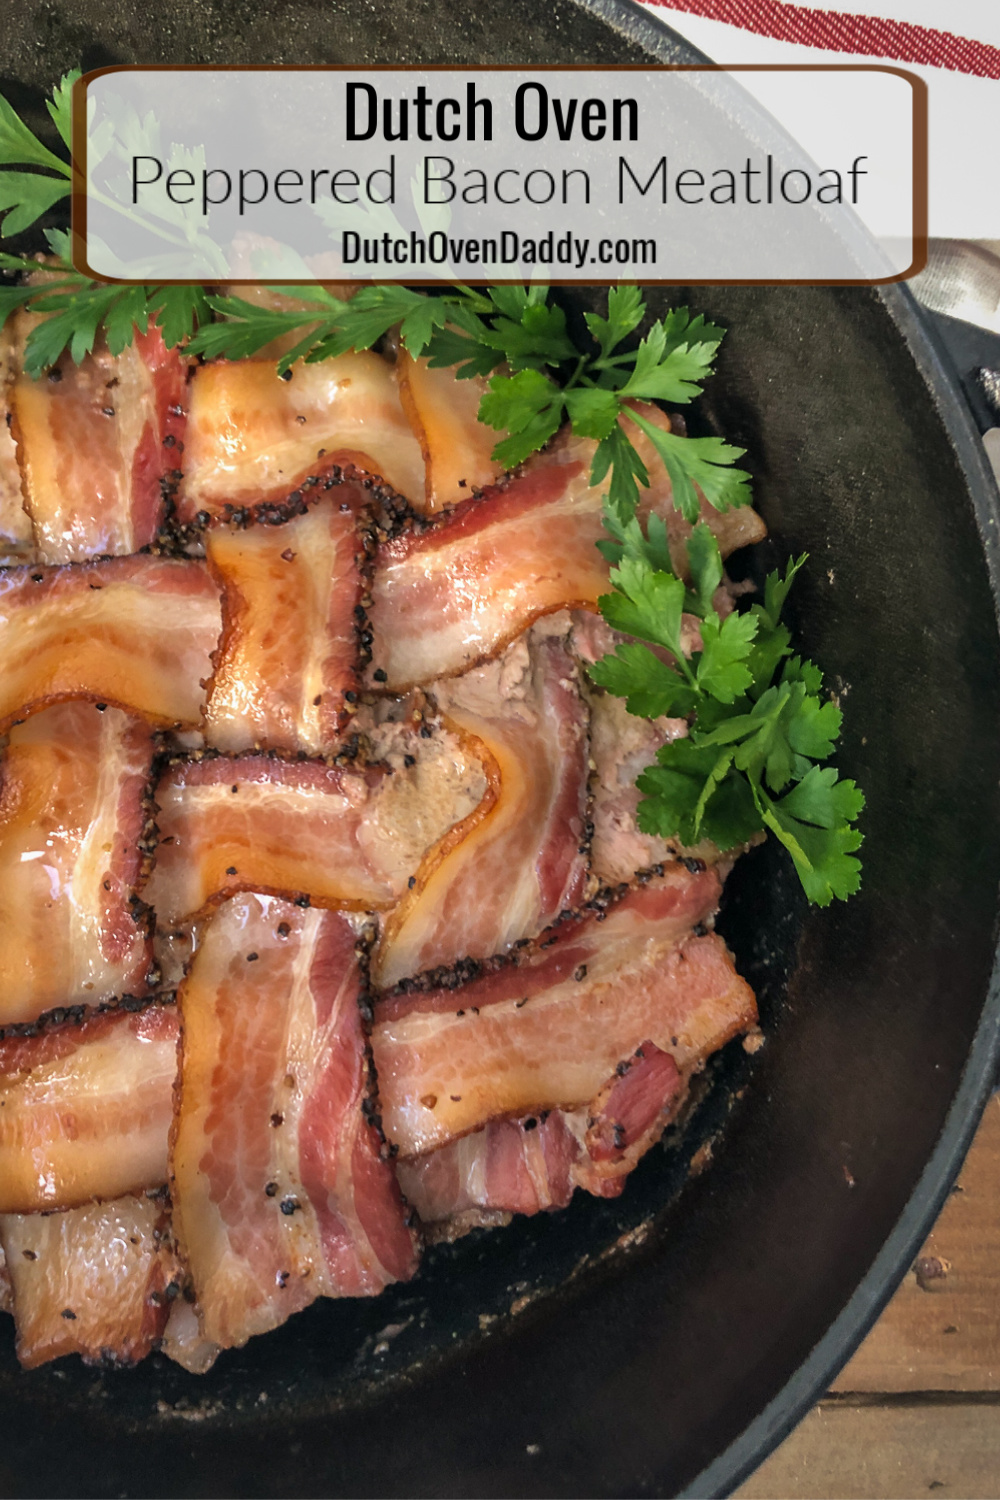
point(136, 632)
point(85, 1108)
point(16, 540)
point(457, 592)
point(520, 863)
point(524, 1166)
point(72, 784)
point(457, 447)
point(253, 438)
point(508, 1166)
point(98, 443)
point(95, 1281)
point(625, 1109)
point(454, 594)
point(299, 829)
point(290, 648)
point(279, 1192)
point(530, 1035)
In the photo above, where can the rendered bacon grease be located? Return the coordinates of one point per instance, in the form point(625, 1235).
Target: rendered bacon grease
point(327, 926)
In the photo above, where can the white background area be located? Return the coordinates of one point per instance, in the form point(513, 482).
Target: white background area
point(712, 192)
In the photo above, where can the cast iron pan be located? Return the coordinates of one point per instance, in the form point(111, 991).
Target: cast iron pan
point(665, 1342)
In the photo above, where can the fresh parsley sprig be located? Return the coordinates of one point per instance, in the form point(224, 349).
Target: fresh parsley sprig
point(27, 194)
point(758, 723)
point(539, 378)
point(77, 309)
point(329, 326)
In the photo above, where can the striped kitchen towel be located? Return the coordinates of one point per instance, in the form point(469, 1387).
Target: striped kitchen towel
point(960, 62)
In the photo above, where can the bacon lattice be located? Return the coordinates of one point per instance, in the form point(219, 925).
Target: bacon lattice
point(401, 971)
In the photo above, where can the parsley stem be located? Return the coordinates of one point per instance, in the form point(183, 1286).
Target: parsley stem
point(686, 671)
point(158, 228)
point(574, 379)
point(610, 360)
point(478, 302)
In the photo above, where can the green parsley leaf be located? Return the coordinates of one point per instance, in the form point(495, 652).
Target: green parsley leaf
point(76, 316)
point(13, 297)
point(246, 329)
point(617, 454)
point(178, 311)
point(705, 564)
point(125, 313)
point(676, 376)
point(822, 855)
point(513, 401)
point(509, 300)
point(529, 406)
point(650, 688)
point(680, 328)
point(771, 646)
point(694, 793)
point(822, 798)
point(626, 310)
point(538, 339)
point(797, 669)
point(630, 540)
point(722, 670)
point(60, 243)
point(18, 145)
point(702, 461)
point(375, 309)
point(419, 325)
point(675, 788)
point(646, 603)
point(776, 589)
point(592, 411)
point(815, 727)
point(60, 106)
point(448, 347)
point(29, 194)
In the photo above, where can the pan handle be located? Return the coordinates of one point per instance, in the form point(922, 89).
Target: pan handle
point(975, 355)
point(959, 291)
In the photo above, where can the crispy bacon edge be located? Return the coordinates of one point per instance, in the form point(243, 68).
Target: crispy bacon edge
point(347, 612)
point(185, 841)
point(436, 1039)
point(124, 685)
point(554, 865)
point(86, 1102)
point(145, 477)
point(280, 1191)
point(97, 1280)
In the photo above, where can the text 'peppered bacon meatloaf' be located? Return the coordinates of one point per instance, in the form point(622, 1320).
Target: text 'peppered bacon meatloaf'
point(326, 922)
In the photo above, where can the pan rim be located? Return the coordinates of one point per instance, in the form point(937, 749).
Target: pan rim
point(980, 1075)
point(783, 1413)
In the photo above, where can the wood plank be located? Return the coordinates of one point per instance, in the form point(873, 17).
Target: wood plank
point(941, 1331)
point(893, 1452)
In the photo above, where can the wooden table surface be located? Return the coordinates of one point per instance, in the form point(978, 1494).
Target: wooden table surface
point(917, 1410)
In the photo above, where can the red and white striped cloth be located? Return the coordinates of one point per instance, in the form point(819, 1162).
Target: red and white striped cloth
point(959, 60)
